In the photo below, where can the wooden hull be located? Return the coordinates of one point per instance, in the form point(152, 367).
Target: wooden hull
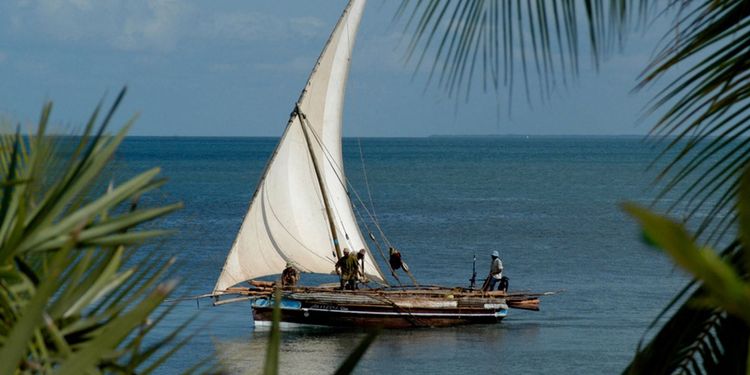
point(352, 309)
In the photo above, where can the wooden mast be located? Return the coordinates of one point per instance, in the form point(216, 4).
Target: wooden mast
point(329, 215)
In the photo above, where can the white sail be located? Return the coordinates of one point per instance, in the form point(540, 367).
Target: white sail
point(287, 220)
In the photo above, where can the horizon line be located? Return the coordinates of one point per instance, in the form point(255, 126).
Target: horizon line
point(403, 136)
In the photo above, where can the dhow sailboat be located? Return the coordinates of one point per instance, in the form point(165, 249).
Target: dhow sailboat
point(301, 214)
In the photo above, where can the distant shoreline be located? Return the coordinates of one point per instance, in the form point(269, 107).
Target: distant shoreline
point(435, 136)
point(538, 136)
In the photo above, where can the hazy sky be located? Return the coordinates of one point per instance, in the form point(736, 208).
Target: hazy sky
point(235, 68)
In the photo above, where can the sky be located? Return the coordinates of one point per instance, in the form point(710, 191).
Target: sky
point(235, 68)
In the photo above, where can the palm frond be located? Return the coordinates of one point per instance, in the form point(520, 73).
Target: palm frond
point(710, 331)
point(71, 298)
point(702, 121)
point(489, 40)
point(271, 366)
point(703, 113)
point(696, 336)
point(351, 361)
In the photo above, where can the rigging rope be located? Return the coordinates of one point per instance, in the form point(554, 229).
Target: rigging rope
point(377, 223)
point(377, 244)
point(303, 120)
point(374, 215)
point(364, 173)
point(344, 182)
point(348, 183)
point(411, 318)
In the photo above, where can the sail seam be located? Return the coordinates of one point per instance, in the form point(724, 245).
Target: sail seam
point(278, 248)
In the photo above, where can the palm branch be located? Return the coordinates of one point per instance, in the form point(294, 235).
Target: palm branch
point(491, 40)
point(701, 118)
point(696, 339)
point(710, 330)
point(73, 298)
point(703, 113)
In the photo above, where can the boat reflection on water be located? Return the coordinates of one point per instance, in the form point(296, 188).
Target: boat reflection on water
point(307, 349)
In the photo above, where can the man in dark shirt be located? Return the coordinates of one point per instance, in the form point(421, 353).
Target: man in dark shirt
point(351, 271)
point(341, 268)
point(290, 275)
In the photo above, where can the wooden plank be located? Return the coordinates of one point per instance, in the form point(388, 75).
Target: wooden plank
point(432, 296)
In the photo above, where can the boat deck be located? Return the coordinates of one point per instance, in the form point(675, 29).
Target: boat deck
point(404, 296)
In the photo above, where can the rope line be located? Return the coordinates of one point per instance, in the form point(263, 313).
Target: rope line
point(348, 183)
point(336, 169)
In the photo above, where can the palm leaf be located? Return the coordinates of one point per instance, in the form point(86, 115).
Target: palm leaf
point(703, 113)
point(29, 318)
point(710, 331)
point(702, 122)
point(488, 40)
point(68, 301)
point(696, 333)
point(354, 357)
point(271, 366)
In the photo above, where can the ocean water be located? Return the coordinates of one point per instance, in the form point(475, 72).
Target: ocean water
point(549, 205)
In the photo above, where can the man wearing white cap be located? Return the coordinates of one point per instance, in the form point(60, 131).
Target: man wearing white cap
point(496, 270)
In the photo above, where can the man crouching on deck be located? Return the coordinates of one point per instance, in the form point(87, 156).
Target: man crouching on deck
point(290, 275)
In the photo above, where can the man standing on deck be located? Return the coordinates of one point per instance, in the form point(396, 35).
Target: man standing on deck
point(351, 267)
point(342, 270)
point(496, 272)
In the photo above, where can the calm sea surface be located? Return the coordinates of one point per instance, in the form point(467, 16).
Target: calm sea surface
point(548, 205)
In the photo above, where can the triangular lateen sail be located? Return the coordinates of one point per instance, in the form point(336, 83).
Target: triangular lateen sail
point(287, 221)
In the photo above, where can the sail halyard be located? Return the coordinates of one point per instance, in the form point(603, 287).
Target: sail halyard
point(321, 185)
point(286, 220)
point(341, 178)
point(327, 128)
point(342, 182)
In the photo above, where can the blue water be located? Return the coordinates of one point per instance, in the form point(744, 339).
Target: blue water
point(550, 206)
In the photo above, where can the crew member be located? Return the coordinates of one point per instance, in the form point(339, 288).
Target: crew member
point(290, 275)
point(342, 270)
point(394, 258)
point(351, 271)
point(496, 272)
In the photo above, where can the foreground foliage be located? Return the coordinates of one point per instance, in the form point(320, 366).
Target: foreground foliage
point(710, 332)
point(702, 117)
point(73, 299)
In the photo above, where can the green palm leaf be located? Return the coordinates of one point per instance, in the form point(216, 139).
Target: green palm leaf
point(69, 301)
point(702, 121)
point(710, 331)
point(699, 336)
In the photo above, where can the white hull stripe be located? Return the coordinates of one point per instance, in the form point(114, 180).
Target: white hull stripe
point(266, 324)
point(386, 313)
